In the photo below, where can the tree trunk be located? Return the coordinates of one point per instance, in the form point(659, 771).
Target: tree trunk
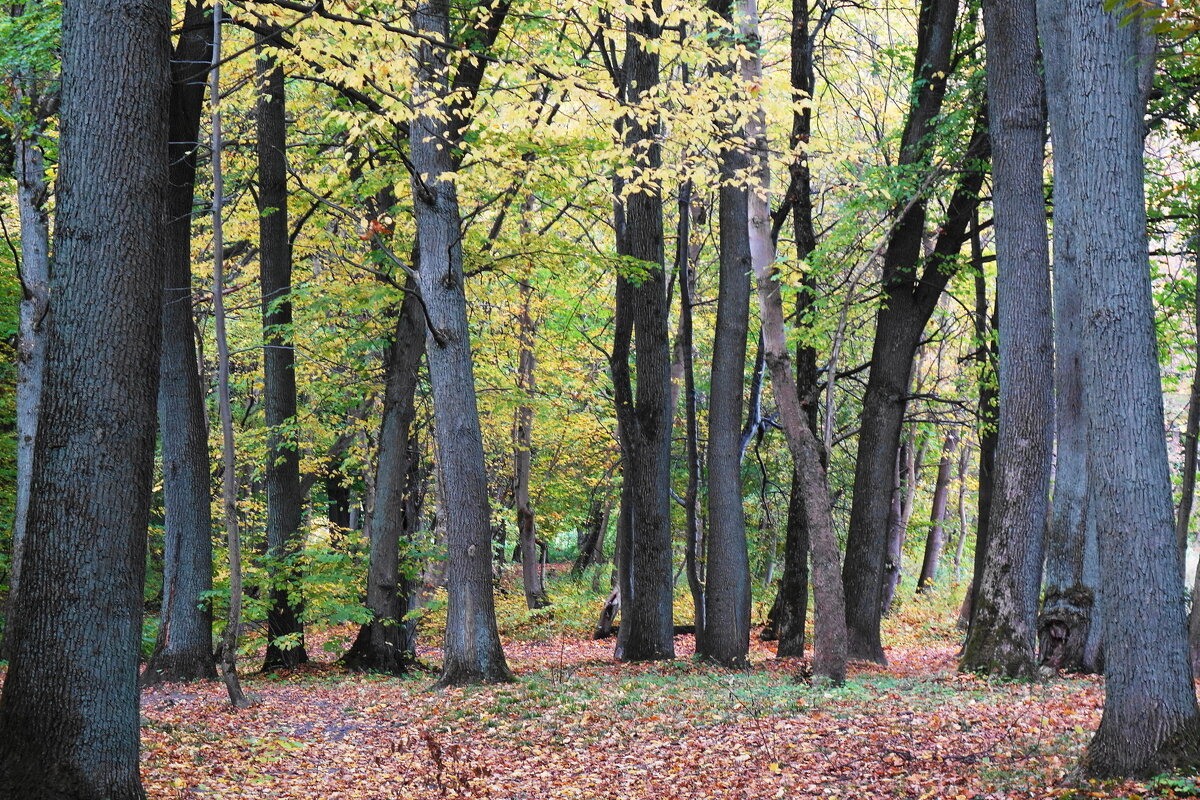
point(787, 615)
point(69, 722)
point(1188, 493)
point(183, 651)
point(1003, 638)
point(531, 566)
point(1150, 723)
point(1069, 626)
point(909, 298)
point(282, 471)
point(229, 481)
point(388, 642)
point(936, 540)
point(727, 589)
point(644, 414)
point(987, 356)
point(33, 193)
point(897, 525)
point(472, 651)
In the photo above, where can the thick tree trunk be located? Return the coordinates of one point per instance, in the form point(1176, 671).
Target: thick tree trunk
point(1069, 626)
point(388, 642)
point(69, 720)
point(936, 540)
point(1003, 636)
point(1187, 496)
point(908, 300)
point(184, 651)
point(1150, 723)
point(282, 471)
point(726, 637)
point(472, 651)
point(644, 414)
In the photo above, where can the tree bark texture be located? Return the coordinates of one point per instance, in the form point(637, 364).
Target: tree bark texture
point(282, 472)
point(897, 527)
point(1150, 722)
point(388, 642)
point(1183, 516)
point(908, 300)
point(1069, 625)
point(69, 721)
point(988, 414)
point(643, 411)
point(472, 651)
point(1003, 638)
point(184, 650)
point(727, 588)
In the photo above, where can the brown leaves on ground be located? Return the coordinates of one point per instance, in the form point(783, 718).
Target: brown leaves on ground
point(578, 725)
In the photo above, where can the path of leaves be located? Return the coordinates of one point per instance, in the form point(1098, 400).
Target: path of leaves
point(578, 725)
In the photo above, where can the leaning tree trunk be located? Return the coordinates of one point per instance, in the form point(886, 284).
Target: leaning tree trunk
point(472, 650)
point(282, 471)
point(643, 413)
point(33, 194)
point(69, 721)
point(908, 301)
point(1003, 636)
point(387, 643)
point(1069, 626)
point(936, 540)
point(183, 651)
point(1150, 723)
point(726, 637)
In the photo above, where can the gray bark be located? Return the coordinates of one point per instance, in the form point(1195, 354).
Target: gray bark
point(1150, 722)
point(532, 577)
point(726, 637)
point(69, 721)
point(935, 541)
point(1003, 636)
point(472, 651)
point(1069, 625)
point(184, 651)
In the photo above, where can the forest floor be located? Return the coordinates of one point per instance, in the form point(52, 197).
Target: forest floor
point(576, 724)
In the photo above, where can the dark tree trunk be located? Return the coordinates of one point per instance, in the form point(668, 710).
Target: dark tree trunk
point(183, 651)
point(643, 413)
point(282, 471)
point(388, 642)
point(909, 298)
point(785, 622)
point(69, 720)
point(472, 651)
point(726, 637)
point(591, 548)
point(1188, 493)
point(1150, 723)
point(1069, 626)
point(1003, 636)
point(936, 540)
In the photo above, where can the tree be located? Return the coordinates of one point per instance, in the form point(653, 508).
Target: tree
point(1150, 721)
point(726, 637)
point(1003, 635)
point(183, 650)
point(285, 630)
point(472, 652)
point(69, 720)
point(640, 320)
point(936, 540)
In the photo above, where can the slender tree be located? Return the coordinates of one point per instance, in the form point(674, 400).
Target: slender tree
point(1150, 721)
point(1003, 636)
point(936, 540)
point(640, 327)
point(472, 651)
point(69, 721)
point(183, 650)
